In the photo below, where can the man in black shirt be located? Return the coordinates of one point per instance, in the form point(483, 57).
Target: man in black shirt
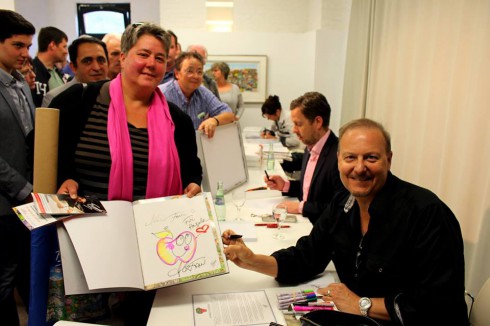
point(397, 248)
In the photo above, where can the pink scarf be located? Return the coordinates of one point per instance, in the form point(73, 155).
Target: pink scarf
point(163, 159)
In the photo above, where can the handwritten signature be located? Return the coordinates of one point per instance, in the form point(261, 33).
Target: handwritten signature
point(189, 267)
point(192, 223)
point(159, 218)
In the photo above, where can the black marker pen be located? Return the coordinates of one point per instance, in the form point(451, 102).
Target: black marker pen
point(267, 175)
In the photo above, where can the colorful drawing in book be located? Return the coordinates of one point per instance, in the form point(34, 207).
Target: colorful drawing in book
point(181, 248)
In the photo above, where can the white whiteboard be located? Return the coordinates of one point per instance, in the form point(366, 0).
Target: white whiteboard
point(222, 158)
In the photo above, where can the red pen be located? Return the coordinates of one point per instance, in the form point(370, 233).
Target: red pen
point(274, 226)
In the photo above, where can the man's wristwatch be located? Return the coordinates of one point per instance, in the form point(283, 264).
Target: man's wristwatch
point(364, 305)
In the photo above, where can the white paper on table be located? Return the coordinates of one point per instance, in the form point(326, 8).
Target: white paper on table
point(228, 309)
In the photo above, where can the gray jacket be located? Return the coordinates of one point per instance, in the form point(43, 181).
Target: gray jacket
point(15, 171)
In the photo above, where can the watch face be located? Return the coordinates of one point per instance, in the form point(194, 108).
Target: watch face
point(365, 303)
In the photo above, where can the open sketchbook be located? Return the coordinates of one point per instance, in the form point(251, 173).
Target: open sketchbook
point(146, 244)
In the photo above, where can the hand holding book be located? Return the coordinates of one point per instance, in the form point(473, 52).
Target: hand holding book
point(50, 208)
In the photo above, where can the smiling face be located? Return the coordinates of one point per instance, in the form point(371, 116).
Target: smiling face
point(363, 162)
point(14, 52)
point(92, 63)
point(179, 249)
point(144, 64)
point(189, 75)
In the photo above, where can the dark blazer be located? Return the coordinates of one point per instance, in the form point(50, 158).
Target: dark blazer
point(325, 181)
point(42, 81)
point(15, 171)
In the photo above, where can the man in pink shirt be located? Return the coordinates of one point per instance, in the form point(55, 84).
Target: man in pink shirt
point(320, 179)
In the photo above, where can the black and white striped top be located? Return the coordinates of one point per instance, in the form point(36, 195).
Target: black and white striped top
point(93, 160)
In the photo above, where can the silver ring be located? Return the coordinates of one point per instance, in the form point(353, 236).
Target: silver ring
point(328, 293)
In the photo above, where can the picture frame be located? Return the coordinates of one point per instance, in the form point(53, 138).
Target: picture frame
point(248, 72)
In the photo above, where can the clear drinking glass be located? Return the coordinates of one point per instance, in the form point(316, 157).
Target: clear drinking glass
point(279, 213)
point(238, 197)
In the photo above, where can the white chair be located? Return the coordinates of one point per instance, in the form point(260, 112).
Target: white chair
point(480, 314)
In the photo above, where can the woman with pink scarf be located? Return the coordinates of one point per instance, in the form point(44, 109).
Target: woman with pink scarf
point(122, 140)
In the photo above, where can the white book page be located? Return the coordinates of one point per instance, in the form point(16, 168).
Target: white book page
point(178, 241)
point(73, 277)
point(107, 247)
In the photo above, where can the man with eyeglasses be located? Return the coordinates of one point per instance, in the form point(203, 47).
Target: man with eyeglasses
point(207, 81)
point(206, 110)
point(397, 248)
point(89, 62)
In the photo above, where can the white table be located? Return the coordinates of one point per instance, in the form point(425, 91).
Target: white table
point(173, 305)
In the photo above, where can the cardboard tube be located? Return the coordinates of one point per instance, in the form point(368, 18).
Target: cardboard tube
point(46, 150)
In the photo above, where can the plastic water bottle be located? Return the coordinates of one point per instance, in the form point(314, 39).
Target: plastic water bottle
point(219, 202)
point(270, 158)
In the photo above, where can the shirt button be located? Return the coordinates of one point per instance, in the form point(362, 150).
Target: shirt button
point(380, 270)
point(355, 275)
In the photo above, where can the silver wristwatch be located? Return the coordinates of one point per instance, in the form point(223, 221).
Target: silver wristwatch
point(364, 305)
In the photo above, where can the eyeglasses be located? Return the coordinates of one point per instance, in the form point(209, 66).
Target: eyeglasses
point(190, 72)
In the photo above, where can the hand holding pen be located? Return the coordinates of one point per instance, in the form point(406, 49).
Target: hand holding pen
point(230, 237)
point(236, 250)
point(274, 182)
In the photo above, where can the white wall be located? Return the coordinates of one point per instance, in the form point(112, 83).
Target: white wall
point(288, 75)
point(301, 57)
point(7, 4)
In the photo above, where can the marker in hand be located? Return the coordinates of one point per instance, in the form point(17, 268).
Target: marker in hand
point(267, 175)
point(235, 236)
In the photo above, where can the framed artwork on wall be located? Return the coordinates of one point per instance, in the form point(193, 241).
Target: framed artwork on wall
point(248, 72)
